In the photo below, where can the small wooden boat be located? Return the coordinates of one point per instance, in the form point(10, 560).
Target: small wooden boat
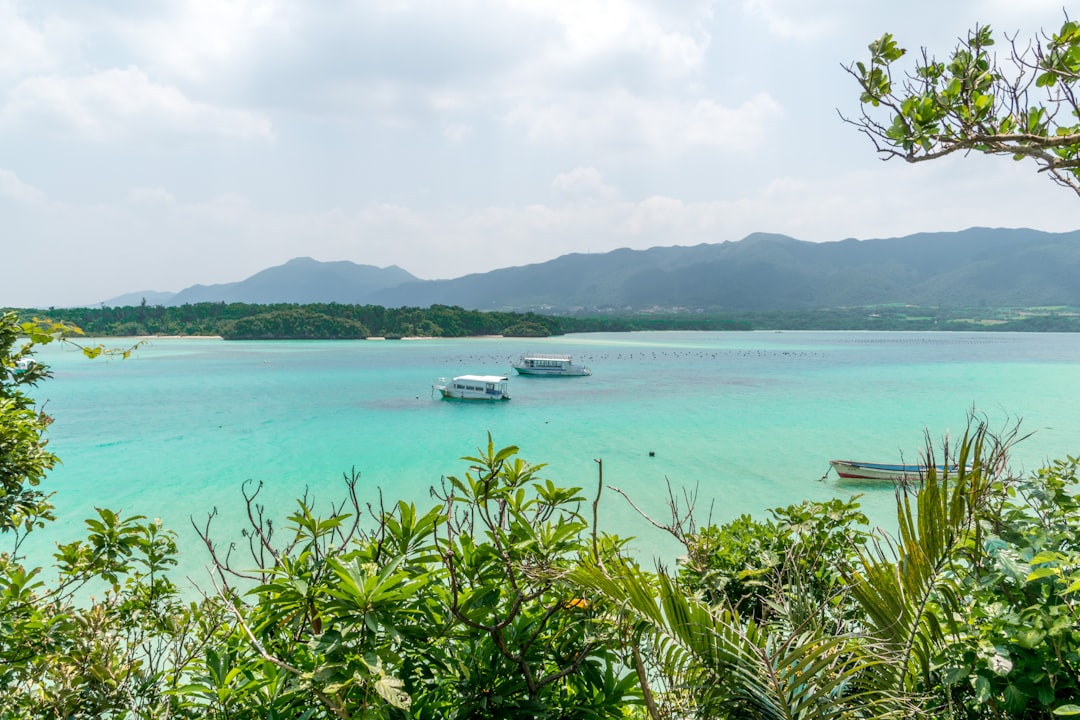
point(856, 470)
point(474, 387)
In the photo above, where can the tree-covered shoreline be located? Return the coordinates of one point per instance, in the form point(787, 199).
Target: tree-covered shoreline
point(327, 321)
point(241, 321)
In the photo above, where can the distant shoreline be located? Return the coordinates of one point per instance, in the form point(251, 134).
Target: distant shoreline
point(333, 322)
point(219, 337)
point(168, 337)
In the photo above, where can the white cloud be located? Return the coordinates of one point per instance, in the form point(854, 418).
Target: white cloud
point(150, 196)
point(666, 127)
point(21, 45)
point(13, 188)
point(433, 59)
point(457, 133)
point(197, 39)
point(799, 20)
point(1028, 16)
point(707, 123)
point(116, 103)
point(657, 214)
point(591, 30)
point(583, 183)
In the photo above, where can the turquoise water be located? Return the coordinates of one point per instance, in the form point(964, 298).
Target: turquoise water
point(748, 419)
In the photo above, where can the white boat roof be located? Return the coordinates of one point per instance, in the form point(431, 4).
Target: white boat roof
point(544, 356)
point(482, 378)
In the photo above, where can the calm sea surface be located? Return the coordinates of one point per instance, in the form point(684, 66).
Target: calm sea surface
point(748, 419)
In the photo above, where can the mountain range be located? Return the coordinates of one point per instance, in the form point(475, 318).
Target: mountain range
point(994, 267)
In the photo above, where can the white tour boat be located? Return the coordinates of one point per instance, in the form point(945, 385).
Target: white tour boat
point(474, 387)
point(545, 364)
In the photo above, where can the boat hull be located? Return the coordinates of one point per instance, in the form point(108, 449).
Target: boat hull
point(855, 470)
point(569, 372)
point(470, 397)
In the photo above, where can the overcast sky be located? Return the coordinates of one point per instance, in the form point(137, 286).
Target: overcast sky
point(150, 145)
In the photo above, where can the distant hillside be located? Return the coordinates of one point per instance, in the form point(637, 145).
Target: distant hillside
point(301, 280)
point(150, 297)
point(971, 268)
point(979, 266)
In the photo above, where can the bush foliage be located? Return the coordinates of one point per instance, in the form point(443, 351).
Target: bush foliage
point(505, 599)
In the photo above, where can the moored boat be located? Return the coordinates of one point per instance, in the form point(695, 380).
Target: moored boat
point(549, 364)
point(857, 470)
point(474, 387)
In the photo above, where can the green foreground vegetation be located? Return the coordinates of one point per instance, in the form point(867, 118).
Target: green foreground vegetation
point(505, 598)
point(240, 321)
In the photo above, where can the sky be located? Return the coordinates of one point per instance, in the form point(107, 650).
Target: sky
point(149, 145)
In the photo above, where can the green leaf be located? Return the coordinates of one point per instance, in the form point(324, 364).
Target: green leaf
point(1047, 79)
point(390, 690)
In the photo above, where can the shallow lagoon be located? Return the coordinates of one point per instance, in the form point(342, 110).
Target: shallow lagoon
point(749, 419)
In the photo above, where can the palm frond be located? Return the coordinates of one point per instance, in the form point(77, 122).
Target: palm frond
point(734, 667)
point(911, 588)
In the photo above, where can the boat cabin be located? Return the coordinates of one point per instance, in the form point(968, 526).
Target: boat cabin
point(548, 364)
point(475, 387)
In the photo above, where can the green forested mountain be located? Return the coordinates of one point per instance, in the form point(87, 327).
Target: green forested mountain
point(301, 280)
point(959, 281)
point(972, 268)
point(978, 267)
